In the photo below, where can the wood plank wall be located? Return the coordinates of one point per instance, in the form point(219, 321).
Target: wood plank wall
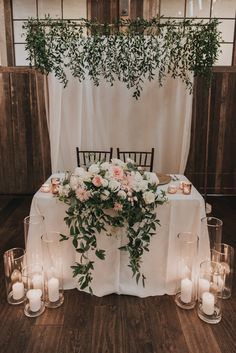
point(219, 160)
point(24, 142)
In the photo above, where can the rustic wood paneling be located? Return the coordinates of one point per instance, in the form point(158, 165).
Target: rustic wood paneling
point(221, 159)
point(24, 143)
point(9, 32)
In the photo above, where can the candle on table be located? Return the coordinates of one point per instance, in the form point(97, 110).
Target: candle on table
point(186, 290)
point(53, 289)
point(187, 188)
point(208, 303)
point(172, 189)
point(34, 296)
point(37, 281)
point(18, 290)
point(204, 286)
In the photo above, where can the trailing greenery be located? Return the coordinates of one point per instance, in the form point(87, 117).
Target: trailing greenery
point(110, 198)
point(130, 51)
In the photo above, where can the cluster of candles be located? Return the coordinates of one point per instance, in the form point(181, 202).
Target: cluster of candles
point(53, 187)
point(184, 186)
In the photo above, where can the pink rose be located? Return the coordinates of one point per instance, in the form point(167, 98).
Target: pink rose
point(97, 180)
point(82, 194)
point(117, 172)
point(118, 206)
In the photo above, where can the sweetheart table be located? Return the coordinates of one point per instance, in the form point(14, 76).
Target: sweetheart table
point(181, 213)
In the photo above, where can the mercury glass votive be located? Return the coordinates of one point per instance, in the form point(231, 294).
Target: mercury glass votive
point(187, 187)
point(210, 286)
point(55, 182)
point(53, 269)
point(187, 243)
point(13, 264)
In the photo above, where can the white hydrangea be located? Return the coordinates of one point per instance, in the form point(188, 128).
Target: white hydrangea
point(149, 197)
point(105, 166)
point(64, 190)
point(118, 162)
point(79, 171)
point(74, 182)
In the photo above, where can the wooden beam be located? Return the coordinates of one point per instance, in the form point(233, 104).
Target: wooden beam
point(9, 32)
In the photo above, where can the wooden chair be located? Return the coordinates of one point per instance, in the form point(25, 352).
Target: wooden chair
point(86, 158)
point(142, 159)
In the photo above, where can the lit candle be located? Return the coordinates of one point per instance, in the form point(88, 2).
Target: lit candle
point(208, 302)
point(53, 289)
point(37, 281)
point(181, 185)
point(187, 188)
point(186, 290)
point(34, 296)
point(172, 189)
point(18, 290)
point(203, 286)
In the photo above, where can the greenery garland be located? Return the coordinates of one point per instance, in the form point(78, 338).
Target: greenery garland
point(130, 51)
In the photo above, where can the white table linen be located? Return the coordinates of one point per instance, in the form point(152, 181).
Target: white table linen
point(181, 213)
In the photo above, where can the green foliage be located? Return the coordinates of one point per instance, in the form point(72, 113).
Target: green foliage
point(131, 51)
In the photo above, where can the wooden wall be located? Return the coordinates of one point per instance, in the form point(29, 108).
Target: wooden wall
point(213, 169)
point(24, 142)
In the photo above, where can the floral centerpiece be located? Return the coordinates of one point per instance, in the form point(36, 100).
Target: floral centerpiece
point(105, 196)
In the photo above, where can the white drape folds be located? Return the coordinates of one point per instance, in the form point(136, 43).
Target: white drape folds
point(97, 118)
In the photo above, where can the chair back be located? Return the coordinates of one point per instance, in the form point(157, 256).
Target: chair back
point(143, 159)
point(86, 158)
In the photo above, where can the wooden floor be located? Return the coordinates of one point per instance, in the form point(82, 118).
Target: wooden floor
point(112, 324)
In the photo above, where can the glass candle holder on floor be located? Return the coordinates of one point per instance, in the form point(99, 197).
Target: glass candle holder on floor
point(53, 270)
point(187, 261)
point(34, 228)
point(210, 285)
point(34, 282)
point(212, 227)
point(13, 264)
point(224, 254)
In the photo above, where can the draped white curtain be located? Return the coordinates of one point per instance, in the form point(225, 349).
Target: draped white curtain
point(97, 118)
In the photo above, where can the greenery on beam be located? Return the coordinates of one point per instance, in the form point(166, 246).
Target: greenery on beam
point(130, 51)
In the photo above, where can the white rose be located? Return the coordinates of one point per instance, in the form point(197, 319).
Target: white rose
point(122, 194)
point(149, 197)
point(114, 185)
point(74, 182)
point(104, 183)
point(152, 178)
point(94, 169)
point(79, 171)
point(105, 194)
point(105, 166)
point(138, 177)
point(143, 185)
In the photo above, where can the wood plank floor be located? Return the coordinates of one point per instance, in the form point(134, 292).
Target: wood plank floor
point(112, 324)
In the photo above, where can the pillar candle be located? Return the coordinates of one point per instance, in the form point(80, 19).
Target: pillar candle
point(53, 289)
point(186, 290)
point(37, 281)
point(18, 290)
point(34, 296)
point(203, 286)
point(208, 302)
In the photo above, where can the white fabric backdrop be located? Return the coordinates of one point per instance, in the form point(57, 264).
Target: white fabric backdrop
point(101, 117)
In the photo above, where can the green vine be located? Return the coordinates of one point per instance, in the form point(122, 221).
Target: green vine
point(130, 51)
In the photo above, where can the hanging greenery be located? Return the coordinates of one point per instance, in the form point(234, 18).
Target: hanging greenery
point(130, 51)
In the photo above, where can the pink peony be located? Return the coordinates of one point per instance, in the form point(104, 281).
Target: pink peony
point(97, 180)
point(118, 206)
point(117, 172)
point(82, 194)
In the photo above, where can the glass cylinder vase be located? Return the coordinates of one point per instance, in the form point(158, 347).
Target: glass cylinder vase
point(53, 270)
point(224, 254)
point(210, 286)
point(34, 228)
point(33, 278)
point(13, 264)
point(187, 261)
point(213, 228)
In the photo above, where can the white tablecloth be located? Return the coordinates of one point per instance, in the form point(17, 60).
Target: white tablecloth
point(181, 213)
